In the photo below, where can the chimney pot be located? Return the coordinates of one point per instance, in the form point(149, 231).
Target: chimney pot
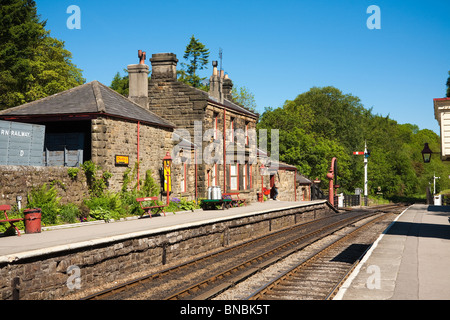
point(142, 56)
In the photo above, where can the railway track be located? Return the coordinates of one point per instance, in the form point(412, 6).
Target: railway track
point(212, 274)
point(319, 275)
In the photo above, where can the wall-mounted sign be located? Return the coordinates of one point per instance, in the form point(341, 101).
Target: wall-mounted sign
point(122, 160)
point(167, 177)
point(21, 143)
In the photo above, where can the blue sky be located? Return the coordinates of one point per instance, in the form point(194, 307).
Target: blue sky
point(277, 49)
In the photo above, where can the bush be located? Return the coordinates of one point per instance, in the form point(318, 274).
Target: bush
point(97, 186)
point(69, 213)
point(129, 203)
point(47, 200)
point(183, 204)
point(106, 207)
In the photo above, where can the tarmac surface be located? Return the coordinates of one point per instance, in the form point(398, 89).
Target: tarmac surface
point(409, 261)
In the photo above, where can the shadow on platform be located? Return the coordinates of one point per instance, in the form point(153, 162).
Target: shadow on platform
point(424, 230)
point(440, 210)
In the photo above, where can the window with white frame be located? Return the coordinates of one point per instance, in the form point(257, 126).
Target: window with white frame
point(183, 179)
point(245, 176)
point(234, 176)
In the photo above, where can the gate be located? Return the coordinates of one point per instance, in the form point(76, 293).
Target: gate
point(351, 200)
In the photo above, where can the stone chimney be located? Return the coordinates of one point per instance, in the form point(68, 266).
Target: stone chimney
point(138, 76)
point(215, 84)
point(164, 66)
point(227, 86)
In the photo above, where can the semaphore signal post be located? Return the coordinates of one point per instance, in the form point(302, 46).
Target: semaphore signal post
point(366, 154)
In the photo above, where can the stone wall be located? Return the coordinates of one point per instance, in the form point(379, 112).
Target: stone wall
point(45, 276)
point(20, 180)
point(111, 137)
point(183, 105)
point(177, 102)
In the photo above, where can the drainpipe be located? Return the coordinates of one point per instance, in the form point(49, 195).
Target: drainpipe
point(138, 137)
point(224, 152)
point(295, 184)
point(195, 155)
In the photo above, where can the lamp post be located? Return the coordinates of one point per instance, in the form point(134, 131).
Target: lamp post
point(167, 163)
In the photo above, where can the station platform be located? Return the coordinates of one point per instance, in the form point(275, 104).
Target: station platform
point(80, 235)
point(409, 261)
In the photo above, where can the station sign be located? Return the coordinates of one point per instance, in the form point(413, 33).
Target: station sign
point(21, 144)
point(122, 160)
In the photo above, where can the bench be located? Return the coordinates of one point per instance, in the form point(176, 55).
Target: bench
point(235, 201)
point(149, 208)
point(11, 222)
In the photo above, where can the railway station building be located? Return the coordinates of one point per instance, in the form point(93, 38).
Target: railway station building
point(442, 115)
point(212, 140)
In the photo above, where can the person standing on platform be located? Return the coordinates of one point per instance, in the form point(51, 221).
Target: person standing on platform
point(275, 190)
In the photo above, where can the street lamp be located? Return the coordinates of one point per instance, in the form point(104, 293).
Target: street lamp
point(426, 153)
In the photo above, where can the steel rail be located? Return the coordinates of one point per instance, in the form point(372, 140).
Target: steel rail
point(146, 278)
point(249, 264)
point(260, 292)
point(135, 282)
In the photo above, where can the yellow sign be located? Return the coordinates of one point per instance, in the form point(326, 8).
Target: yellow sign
point(122, 160)
point(167, 177)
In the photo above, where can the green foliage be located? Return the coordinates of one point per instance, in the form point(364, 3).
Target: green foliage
point(46, 198)
point(324, 123)
point(197, 55)
point(69, 213)
point(448, 85)
point(73, 173)
point(33, 65)
point(97, 185)
point(105, 207)
point(121, 84)
point(150, 187)
point(244, 97)
point(14, 213)
point(183, 204)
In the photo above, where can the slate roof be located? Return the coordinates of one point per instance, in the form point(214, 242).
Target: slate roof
point(90, 98)
point(302, 179)
point(233, 106)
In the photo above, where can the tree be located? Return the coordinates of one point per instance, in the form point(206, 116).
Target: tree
point(121, 84)
point(244, 97)
point(448, 85)
point(33, 65)
point(197, 56)
point(323, 123)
